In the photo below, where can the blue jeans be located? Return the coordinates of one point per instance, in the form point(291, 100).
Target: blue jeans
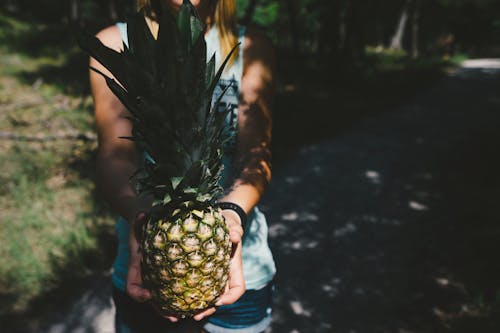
point(250, 314)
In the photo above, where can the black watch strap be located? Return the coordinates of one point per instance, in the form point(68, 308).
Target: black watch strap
point(234, 207)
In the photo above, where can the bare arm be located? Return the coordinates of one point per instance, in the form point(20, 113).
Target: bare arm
point(117, 158)
point(252, 152)
point(253, 155)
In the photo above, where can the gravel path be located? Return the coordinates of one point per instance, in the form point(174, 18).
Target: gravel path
point(387, 228)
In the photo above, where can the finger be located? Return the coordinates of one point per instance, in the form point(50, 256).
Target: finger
point(172, 318)
point(231, 296)
point(235, 228)
point(204, 314)
point(134, 285)
point(235, 233)
point(138, 293)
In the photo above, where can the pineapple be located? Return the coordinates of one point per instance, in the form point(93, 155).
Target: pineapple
point(167, 86)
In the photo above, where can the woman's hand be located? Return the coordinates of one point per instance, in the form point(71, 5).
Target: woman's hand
point(236, 284)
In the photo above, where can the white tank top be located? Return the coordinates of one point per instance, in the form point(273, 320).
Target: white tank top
point(258, 263)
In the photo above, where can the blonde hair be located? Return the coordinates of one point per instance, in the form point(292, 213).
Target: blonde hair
point(223, 14)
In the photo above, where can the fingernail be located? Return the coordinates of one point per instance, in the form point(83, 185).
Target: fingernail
point(218, 303)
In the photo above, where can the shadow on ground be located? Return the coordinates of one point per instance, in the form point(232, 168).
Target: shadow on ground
point(393, 225)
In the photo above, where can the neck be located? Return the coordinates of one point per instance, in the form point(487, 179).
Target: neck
point(204, 9)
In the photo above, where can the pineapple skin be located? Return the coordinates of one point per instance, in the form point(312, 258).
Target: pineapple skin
point(185, 261)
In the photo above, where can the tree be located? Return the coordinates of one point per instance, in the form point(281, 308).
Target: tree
point(397, 38)
point(249, 11)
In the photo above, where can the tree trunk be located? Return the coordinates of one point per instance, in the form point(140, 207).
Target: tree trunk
point(397, 38)
point(249, 12)
point(414, 29)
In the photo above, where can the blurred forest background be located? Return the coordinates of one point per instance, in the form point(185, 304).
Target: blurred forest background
point(341, 60)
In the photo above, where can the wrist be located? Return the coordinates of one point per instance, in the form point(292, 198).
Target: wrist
point(234, 209)
point(134, 208)
point(232, 214)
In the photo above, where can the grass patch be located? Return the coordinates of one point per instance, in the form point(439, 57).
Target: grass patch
point(48, 223)
point(458, 58)
point(53, 228)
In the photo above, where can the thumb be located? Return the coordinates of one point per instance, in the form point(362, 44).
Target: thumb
point(134, 285)
point(231, 296)
point(138, 293)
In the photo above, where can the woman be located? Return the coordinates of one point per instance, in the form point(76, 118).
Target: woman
point(245, 306)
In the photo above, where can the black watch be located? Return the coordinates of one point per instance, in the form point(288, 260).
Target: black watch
point(234, 207)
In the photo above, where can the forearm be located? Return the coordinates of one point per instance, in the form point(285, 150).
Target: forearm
point(244, 195)
point(250, 185)
point(113, 174)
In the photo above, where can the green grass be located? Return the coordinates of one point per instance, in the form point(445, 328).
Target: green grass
point(52, 224)
point(45, 228)
point(384, 60)
point(458, 58)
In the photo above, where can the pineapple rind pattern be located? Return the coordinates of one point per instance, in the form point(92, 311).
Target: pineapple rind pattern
point(187, 277)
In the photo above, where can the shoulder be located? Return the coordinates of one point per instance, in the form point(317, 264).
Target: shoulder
point(258, 66)
point(111, 37)
point(258, 55)
point(257, 44)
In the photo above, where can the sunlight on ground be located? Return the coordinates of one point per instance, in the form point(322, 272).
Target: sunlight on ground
point(373, 176)
point(417, 205)
point(481, 63)
point(474, 67)
point(347, 229)
point(302, 216)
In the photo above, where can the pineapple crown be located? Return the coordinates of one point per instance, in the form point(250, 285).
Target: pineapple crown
point(167, 85)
